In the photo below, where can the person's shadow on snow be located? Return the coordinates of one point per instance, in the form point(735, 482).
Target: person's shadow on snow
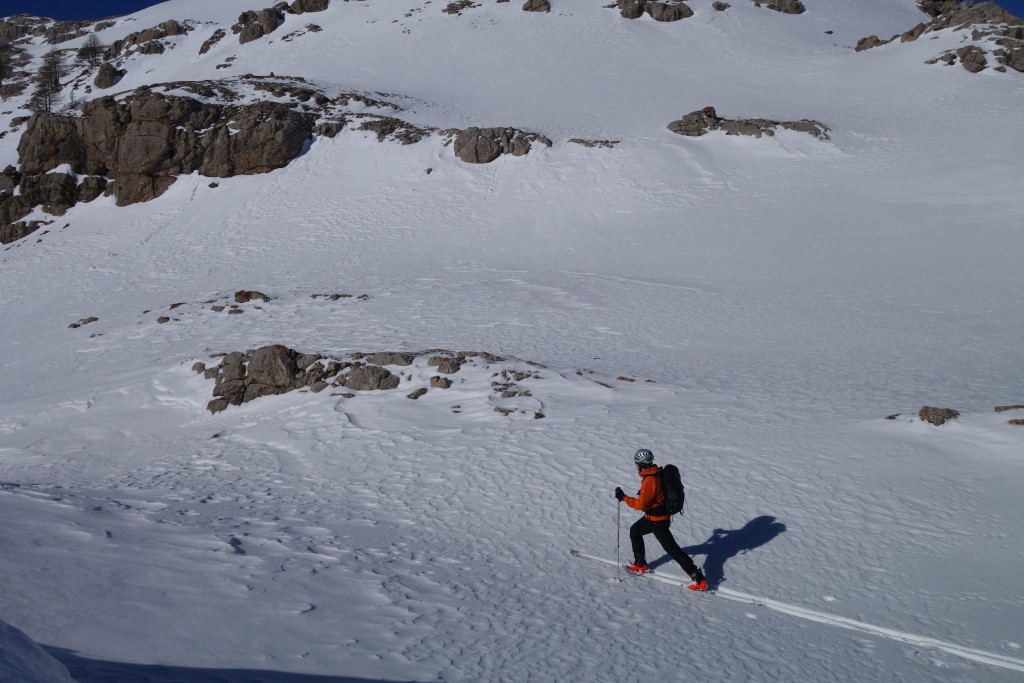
point(724, 544)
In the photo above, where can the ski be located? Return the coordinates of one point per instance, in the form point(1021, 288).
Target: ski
point(657, 576)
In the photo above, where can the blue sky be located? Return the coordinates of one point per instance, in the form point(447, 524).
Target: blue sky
point(92, 9)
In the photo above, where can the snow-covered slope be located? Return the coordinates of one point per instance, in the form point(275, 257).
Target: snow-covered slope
point(23, 660)
point(749, 309)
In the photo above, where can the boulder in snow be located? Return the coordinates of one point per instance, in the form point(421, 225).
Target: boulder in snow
point(937, 416)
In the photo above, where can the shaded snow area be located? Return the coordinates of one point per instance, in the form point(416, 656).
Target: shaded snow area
point(751, 309)
point(23, 660)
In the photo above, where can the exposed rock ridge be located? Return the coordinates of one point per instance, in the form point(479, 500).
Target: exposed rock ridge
point(145, 42)
point(699, 122)
point(665, 10)
point(255, 24)
point(484, 145)
point(135, 145)
point(241, 377)
point(990, 22)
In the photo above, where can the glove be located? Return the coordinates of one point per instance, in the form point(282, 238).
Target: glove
point(619, 494)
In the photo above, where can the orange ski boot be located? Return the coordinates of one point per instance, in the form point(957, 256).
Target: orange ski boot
point(699, 582)
point(638, 567)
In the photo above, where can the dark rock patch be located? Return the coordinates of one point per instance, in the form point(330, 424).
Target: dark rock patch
point(659, 10)
point(215, 38)
point(459, 6)
point(987, 20)
point(253, 25)
point(700, 122)
point(536, 6)
point(391, 358)
point(108, 76)
point(369, 378)
point(143, 142)
point(304, 6)
point(972, 58)
point(937, 416)
point(145, 42)
point(484, 145)
point(1002, 409)
point(243, 296)
point(419, 392)
point(784, 6)
point(83, 321)
point(594, 143)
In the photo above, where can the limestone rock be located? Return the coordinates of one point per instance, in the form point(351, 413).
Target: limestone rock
point(785, 6)
point(252, 25)
point(937, 416)
point(484, 145)
point(214, 38)
point(668, 11)
point(631, 9)
point(108, 76)
point(370, 378)
point(273, 366)
point(972, 58)
point(868, 43)
point(143, 142)
point(391, 358)
point(303, 6)
point(699, 122)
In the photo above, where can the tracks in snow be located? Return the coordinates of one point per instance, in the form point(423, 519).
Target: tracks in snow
point(973, 654)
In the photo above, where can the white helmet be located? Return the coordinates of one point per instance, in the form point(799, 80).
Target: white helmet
point(643, 457)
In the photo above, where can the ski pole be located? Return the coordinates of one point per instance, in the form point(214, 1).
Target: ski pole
point(618, 541)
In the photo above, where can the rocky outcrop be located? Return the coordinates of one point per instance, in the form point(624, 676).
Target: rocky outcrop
point(214, 38)
point(987, 20)
point(145, 42)
point(784, 6)
point(241, 377)
point(252, 25)
point(484, 145)
point(669, 10)
point(457, 7)
point(972, 58)
point(536, 6)
point(54, 192)
point(143, 142)
point(304, 6)
point(937, 416)
point(700, 122)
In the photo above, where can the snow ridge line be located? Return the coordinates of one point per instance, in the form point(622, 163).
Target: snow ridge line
point(976, 655)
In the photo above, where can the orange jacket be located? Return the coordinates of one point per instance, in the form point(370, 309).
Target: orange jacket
point(650, 497)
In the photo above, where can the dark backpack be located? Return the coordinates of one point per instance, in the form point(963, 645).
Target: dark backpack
point(672, 486)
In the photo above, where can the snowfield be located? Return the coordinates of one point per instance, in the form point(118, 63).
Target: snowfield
point(749, 309)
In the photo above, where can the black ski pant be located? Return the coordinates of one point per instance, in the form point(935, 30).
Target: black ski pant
point(661, 531)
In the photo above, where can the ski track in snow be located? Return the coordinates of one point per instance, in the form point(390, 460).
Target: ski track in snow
point(982, 656)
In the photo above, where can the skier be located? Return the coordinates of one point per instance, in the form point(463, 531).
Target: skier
point(650, 500)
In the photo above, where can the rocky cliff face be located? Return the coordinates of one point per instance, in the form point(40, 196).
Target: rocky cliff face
point(141, 143)
point(993, 30)
point(134, 147)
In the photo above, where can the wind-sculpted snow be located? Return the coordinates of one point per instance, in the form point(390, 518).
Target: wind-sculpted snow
point(772, 300)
